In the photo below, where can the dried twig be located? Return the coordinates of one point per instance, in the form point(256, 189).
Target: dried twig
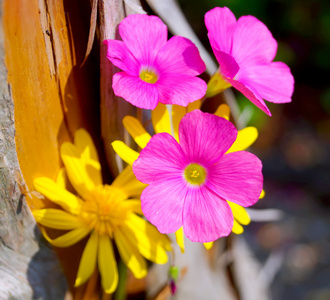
point(92, 29)
point(265, 215)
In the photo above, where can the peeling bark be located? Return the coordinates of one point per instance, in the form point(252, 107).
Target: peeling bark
point(29, 268)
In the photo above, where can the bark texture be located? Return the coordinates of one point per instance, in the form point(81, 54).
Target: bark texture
point(29, 268)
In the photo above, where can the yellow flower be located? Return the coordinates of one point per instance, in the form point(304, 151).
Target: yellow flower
point(160, 118)
point(104, 212)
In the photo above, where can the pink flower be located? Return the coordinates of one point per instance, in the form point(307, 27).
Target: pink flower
point(245, 50)
point(154, 69)
point(190, 182)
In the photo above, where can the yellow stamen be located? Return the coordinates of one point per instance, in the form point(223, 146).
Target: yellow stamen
point(195, 174)
point(104, 211)
point(148, 76)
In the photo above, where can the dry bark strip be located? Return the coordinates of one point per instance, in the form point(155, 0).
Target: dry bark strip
point(29, 268)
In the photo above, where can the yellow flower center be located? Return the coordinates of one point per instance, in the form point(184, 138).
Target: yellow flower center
point(195, 174)
point(104, 210)
point(148, 76)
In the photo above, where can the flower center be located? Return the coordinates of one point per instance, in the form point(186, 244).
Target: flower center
point(148, 76)
point(104, 211)
point(195, 174)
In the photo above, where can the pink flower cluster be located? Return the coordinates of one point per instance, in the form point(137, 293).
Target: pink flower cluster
point(156, 70)
point(191, 181)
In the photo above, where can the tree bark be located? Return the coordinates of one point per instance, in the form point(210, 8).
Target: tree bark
point(29, 268)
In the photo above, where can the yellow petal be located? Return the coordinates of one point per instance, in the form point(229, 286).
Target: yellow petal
point(194, 105)
point(216, 85)
point(262, 195)
point(245, 138)
point(208, 245)
point(55, 218)
point(151, 231)
point(239, 213)
point(161, 119)
point(237, 228)
point(86, 151)
point(180, 238)
point(88, 260)
point(57, 194)
point(77, 171)
point(125, 153)
point(178, 112)
point(134, 205)
point(223, 111)
point(85, 145)
point(93, 171)
point(147, 239)
point(127, 182)
point(61, 178)
point(136, 130)
point(68, 239)
point(107, 265)
point(130, 256)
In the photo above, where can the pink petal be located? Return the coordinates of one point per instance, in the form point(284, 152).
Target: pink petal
point(162, 204)
point(135, 91)
point(253, 43)
point(204, 137)
point(227, 64)
point(274, 82)
point(237, 177)
point(143, 35)
point(251, 95)
point(119, 55)
point(206, 217)
point(161, 159)
point(180, 89)
point(220, 23)
point(179, 56)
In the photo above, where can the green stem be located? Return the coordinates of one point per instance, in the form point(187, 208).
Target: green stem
point(121, 289)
